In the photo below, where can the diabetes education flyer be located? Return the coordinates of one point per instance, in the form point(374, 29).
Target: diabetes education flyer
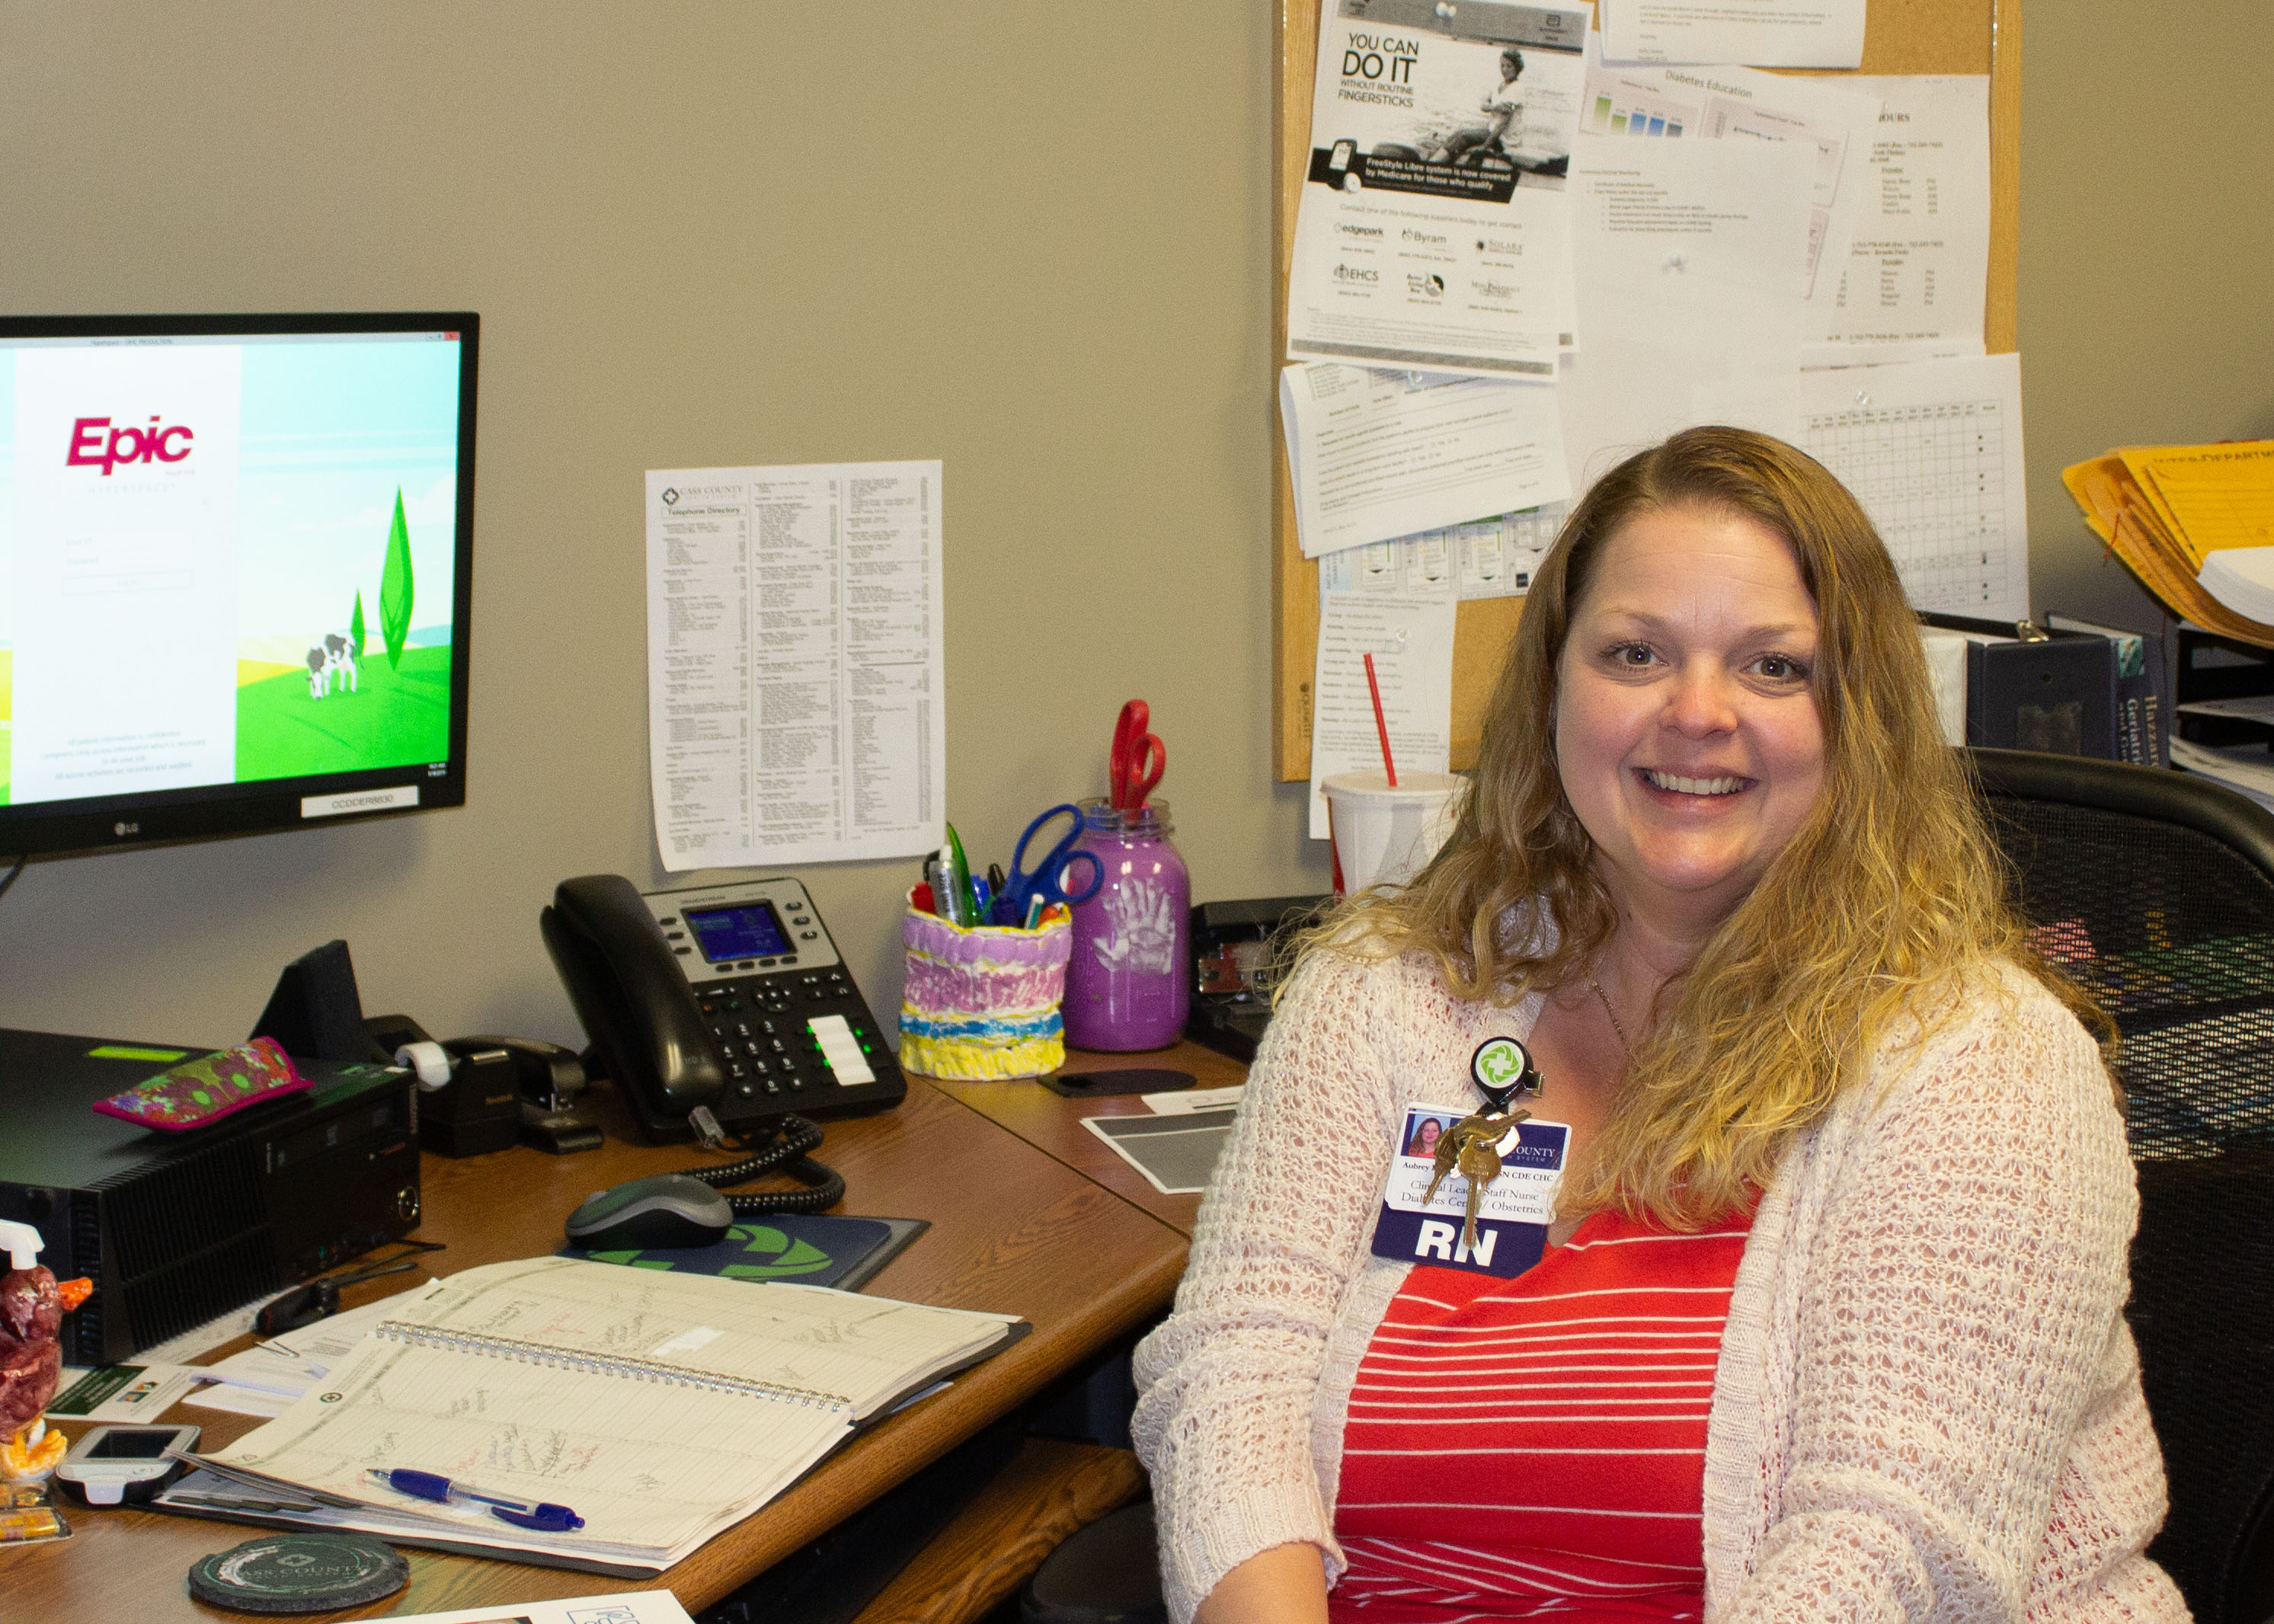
point(1434, 232)
point(224, 559)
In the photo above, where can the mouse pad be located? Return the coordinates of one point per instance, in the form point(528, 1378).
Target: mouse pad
point(814, 1249)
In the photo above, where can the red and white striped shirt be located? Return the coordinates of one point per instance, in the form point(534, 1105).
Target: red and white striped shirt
point(1535, 1448)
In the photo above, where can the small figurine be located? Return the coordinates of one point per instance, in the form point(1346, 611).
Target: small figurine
point(31, 1308)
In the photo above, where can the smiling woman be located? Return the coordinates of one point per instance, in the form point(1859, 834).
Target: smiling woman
point(1826, 1318)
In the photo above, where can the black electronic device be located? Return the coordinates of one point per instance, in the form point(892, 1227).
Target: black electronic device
point(1132, 1080)
point(666, 1209)
point(319, 1299)
point(2030, 689)
point(727, 996)
point(175, 1229)
point(250, 537)
point(122, 1465)
point(1238, 950)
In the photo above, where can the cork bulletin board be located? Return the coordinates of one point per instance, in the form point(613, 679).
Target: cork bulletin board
point(1902, 37)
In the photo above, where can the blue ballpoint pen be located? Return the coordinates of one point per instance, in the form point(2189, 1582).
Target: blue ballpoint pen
point(542, 1515)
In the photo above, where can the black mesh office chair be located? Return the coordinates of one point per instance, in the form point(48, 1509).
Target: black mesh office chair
point(2156, 890)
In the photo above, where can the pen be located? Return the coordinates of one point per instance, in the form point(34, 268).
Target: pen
point(542, 1515)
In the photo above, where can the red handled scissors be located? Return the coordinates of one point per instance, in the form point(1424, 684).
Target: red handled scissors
point(1139, 757)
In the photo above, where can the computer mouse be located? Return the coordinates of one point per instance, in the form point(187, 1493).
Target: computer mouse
point(669, 1209)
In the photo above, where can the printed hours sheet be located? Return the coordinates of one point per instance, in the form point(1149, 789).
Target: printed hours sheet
point(1933, 449)
point(795, 681)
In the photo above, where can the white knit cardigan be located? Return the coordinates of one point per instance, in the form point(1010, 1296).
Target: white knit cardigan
point(1927, 1405)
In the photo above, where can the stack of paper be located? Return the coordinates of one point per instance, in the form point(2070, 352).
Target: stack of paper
point(2194, 522)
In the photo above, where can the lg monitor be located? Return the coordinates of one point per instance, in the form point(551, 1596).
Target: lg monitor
point(235, 559)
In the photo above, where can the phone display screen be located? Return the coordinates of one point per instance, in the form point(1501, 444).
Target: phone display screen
point(138, 1444)
point(745, 930)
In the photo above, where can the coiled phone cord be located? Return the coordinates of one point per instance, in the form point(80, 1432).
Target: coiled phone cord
point(784, 1152)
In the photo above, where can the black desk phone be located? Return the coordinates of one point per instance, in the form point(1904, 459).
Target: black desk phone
point(730, 996)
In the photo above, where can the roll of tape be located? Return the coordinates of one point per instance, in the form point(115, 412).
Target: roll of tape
point(429, 1061)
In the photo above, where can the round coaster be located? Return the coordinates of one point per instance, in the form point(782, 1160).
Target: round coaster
point(299, 1573)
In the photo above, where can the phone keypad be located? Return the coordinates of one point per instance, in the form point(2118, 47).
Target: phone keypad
point(771, 1055)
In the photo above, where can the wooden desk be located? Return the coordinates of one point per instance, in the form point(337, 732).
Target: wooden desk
point(1052, 1125)
point(1014, 1230)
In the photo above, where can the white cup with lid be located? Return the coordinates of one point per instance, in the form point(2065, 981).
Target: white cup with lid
point(1383, 836)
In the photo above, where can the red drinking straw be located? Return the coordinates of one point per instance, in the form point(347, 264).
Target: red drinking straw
point(1381, 726)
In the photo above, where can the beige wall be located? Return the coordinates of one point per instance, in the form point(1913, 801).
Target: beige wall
point(765, 233)
point(2147, 279)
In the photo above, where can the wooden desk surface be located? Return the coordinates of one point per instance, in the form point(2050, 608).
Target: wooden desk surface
point(1052, 1123)
point(1014, 1230)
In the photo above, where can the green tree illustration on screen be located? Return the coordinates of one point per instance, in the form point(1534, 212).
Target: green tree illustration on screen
point(355, 625)
point(395, 588)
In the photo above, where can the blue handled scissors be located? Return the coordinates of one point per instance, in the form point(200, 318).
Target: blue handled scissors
point(1047, 879)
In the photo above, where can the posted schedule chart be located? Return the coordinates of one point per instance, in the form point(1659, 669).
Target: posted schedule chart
point(1938, 467)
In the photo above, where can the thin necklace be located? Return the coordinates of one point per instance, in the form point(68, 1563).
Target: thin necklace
point(1625, 1047)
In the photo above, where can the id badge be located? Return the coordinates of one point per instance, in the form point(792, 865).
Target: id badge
point(1512, 1215)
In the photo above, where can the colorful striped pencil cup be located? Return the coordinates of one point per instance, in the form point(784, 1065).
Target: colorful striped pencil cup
point(981, 1004)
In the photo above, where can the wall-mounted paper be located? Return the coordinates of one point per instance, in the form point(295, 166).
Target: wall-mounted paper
point(1431, 228)
point(1378, 455)
point(1486, 558)
point(1933, 451)
point(1410, 637)
point(1918, 259)
point(1690, 257)
point(795, 699)
point(1768, 34)
point(1739, 104)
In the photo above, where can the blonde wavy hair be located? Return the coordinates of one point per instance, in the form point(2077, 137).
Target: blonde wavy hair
point(1859, 931)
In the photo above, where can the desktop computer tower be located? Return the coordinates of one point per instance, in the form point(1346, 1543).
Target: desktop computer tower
point(175, 1229)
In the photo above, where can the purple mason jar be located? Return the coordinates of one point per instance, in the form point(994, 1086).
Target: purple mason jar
point(1129, 983)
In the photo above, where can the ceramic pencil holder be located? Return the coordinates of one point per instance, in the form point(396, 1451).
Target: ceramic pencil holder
point(981, 1004)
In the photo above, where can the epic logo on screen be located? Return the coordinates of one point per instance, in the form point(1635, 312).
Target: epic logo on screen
point(91, 447)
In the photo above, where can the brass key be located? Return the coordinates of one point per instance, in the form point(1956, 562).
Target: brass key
point(1467, 1149)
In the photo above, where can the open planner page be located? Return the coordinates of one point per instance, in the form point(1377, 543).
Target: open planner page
point(654, 1468)
point(866, 1350)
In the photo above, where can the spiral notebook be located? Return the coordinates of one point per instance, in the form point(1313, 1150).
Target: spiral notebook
point(663, 1408)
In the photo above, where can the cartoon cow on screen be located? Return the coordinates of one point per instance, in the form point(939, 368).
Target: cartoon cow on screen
point(334, 656)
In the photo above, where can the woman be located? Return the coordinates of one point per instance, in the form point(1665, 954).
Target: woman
point(1830, 1324)
point(1502, 107)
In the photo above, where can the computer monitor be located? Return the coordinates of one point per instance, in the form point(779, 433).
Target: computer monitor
point(235, 559)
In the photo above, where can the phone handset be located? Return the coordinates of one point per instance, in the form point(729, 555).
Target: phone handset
point(633, 999)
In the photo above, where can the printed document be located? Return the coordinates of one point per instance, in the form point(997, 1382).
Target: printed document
point(1377, 455)
point(1918, 261)
point(1933, 449)
point(1410, 637)
point(1486, 558)
point(1431, 228)
point(1768, 34)
point(795, 694)
point(1740, 105)
point(1690, 257)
